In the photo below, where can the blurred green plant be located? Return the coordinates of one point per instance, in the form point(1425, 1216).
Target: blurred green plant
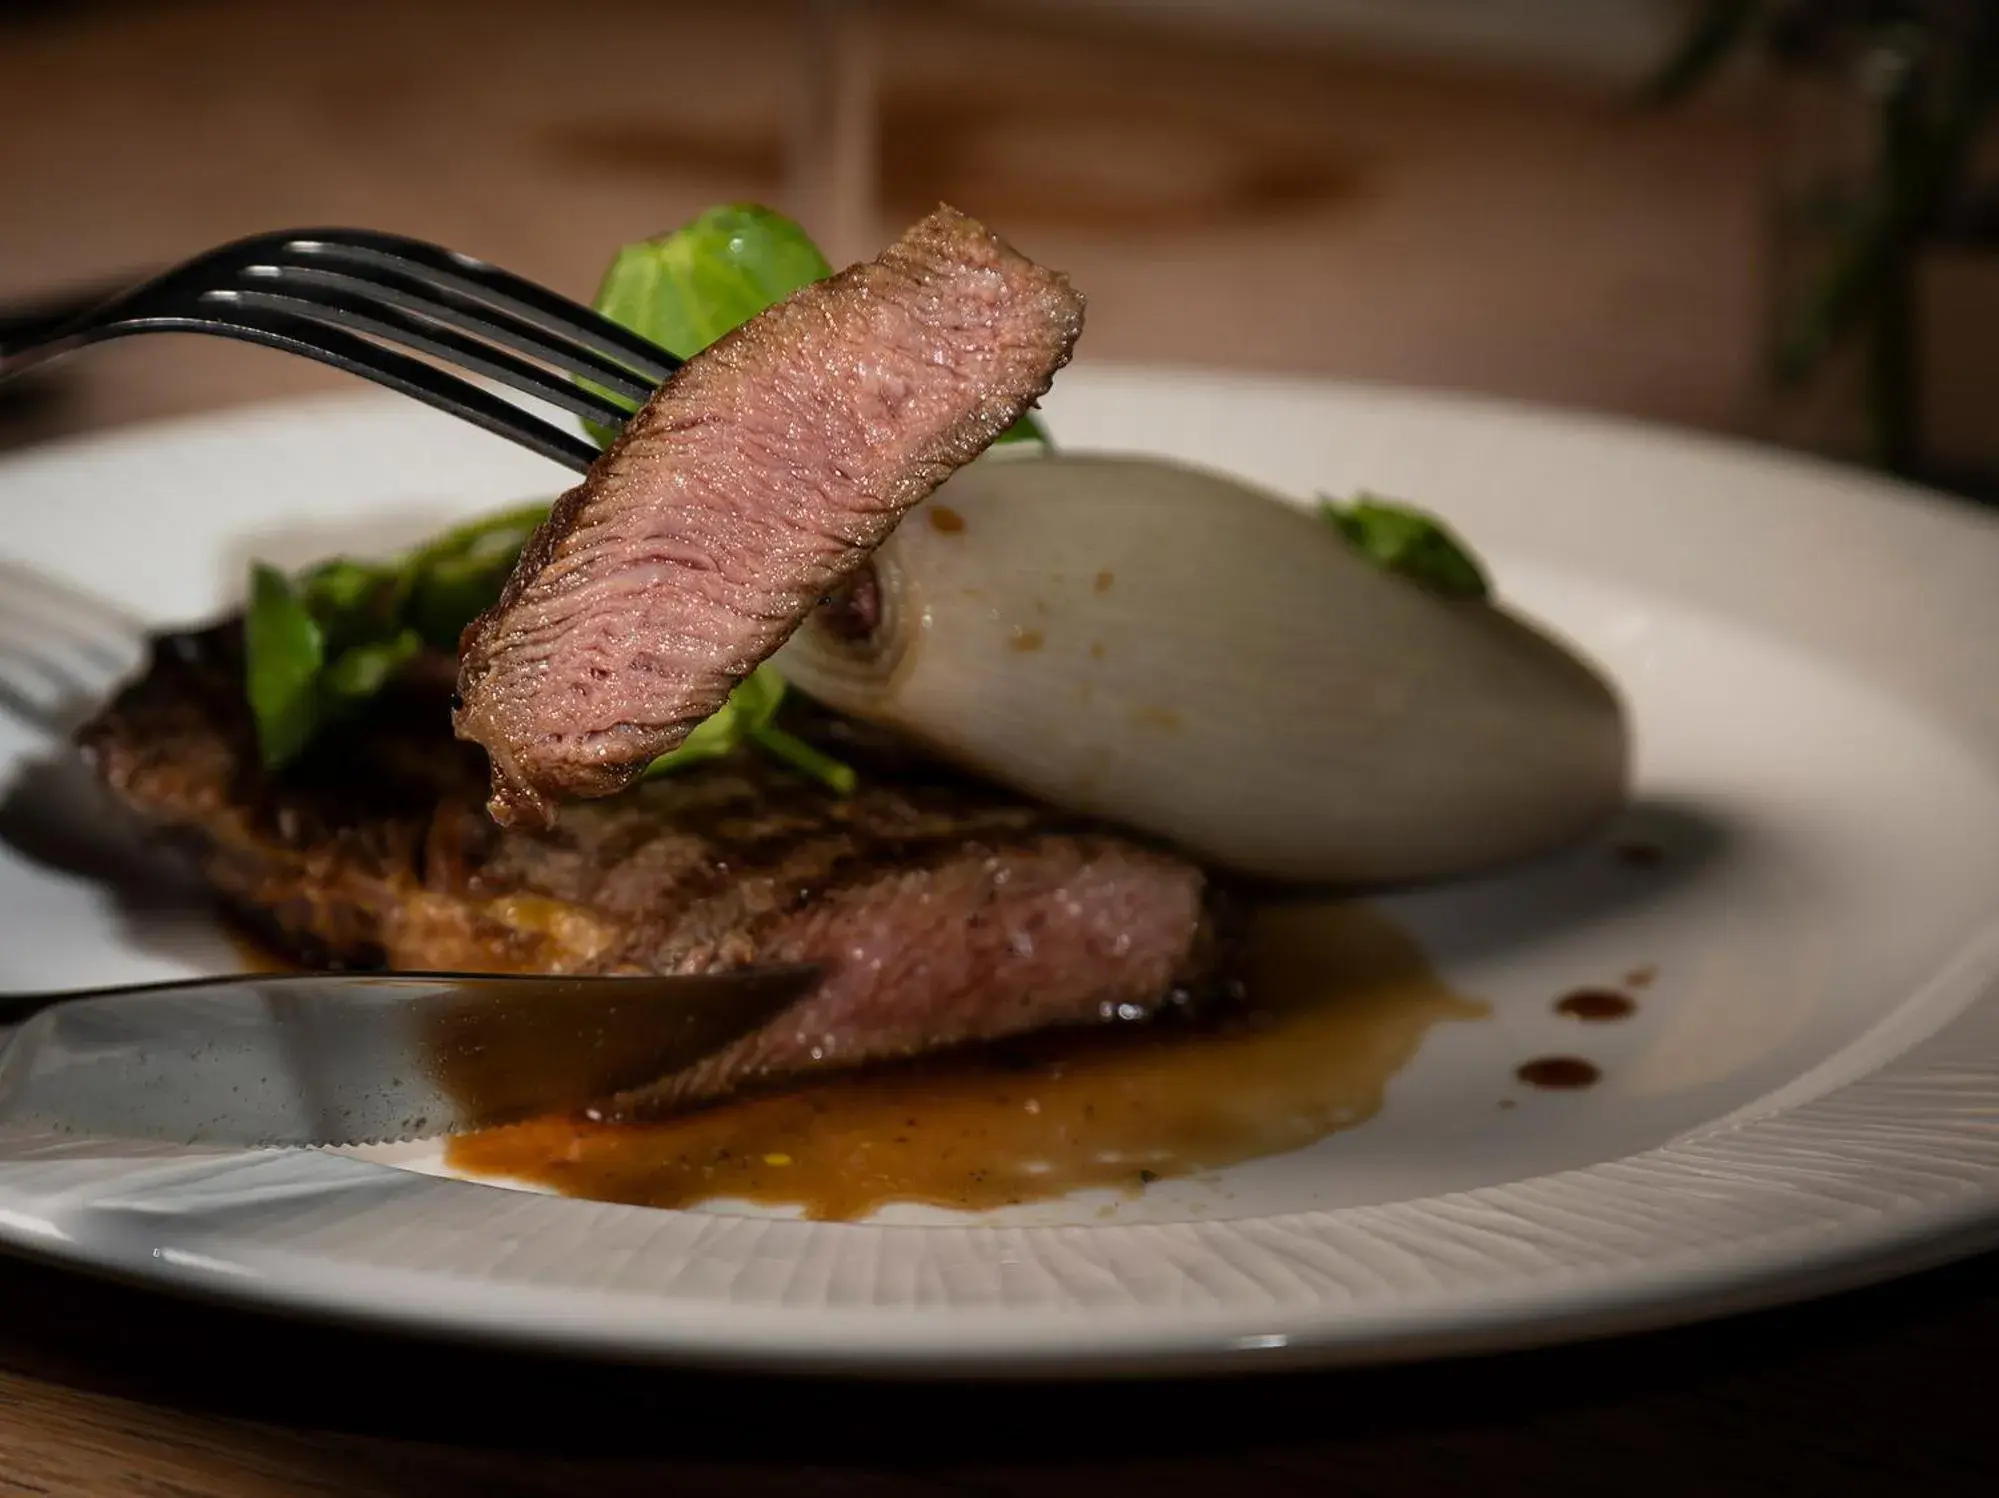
point(1927, 72)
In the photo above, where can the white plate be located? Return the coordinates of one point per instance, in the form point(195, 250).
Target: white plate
point(1806, 1099)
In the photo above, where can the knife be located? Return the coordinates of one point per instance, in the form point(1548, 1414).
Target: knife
point(331, 1059)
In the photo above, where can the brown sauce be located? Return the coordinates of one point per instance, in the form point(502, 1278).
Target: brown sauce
point(1103, 581)
point(1596, 1004)
point(1559, 1073)
point(945, 520)
point(1026, 640)
point(1342, 999)
point(1641, 977)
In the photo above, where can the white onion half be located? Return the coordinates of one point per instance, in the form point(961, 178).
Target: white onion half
point(1170, 649)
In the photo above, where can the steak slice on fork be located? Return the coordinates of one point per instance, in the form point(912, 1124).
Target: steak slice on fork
point(754, 481)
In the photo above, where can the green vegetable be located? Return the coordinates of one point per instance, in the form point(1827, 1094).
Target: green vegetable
point(285, 652)
point(1406, 540)
point(457, 577)
point(361, 671)
point(321, 644)
point(749, 717)
point(306, 667)
point(685, 289)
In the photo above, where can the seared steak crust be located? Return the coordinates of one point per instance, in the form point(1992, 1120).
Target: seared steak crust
point(943, 912)
point(751, 483)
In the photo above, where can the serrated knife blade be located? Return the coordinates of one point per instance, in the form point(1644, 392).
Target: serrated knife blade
point(311, 1059)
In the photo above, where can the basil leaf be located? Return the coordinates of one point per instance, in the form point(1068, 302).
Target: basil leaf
point(320, 645)
point(750, 706)
point(1405, 540)
point(458, 576)
point(685, 289)
point(352, 601)
point(284, 651)
point(361, 671)
point(801, 756)
point(1027, 429)
point(749, 717)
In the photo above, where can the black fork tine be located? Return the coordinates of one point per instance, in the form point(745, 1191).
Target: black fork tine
point(380, 320)
point(277, 328)
point(440, 304)
point(475, 278)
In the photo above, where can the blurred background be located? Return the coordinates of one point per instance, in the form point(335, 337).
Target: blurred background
point(1758, 217)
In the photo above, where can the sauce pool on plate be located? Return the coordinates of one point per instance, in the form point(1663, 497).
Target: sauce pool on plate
point(1340, 1001)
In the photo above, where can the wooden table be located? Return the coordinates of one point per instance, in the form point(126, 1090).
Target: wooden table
point(1276, 211)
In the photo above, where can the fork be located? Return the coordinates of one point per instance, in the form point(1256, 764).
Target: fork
point(361, 301)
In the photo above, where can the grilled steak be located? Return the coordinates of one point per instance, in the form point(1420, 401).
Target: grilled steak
point(941, 911)
point(750, 484)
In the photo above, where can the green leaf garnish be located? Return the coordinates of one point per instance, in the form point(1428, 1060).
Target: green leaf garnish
point(802, 757)
point(458, 576)
point(1027, 429)
point(685, 289)
point(1405, 540)
point(319, 645)
point(361, 671)
point(752, 705)
point(748, 717)
point(285, 651)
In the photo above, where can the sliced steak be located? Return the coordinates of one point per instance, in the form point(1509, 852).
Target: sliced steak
point(750, 484)
point(941, 911)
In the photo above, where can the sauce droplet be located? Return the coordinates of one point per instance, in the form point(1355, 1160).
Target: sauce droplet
point(1104, 580)
point(1641, 977)
point(1640, 854)
point(1596, 1004)
point(946, 521)
point(1559, 1073)
point(1026, 640)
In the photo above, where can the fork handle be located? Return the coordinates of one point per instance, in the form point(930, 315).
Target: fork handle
point(24, 325)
